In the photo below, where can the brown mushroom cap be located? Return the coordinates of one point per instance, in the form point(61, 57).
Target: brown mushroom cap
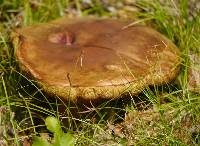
point(92, 58)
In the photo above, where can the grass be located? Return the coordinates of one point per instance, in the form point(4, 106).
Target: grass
point(172, 115)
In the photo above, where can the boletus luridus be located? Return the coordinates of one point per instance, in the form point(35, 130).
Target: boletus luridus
point(95, 58)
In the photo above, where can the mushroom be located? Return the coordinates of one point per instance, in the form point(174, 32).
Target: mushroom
point(92, 58)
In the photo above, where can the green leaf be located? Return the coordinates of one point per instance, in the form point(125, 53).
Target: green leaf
point(38, 141)
point(67, 140)
point(53, 124)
